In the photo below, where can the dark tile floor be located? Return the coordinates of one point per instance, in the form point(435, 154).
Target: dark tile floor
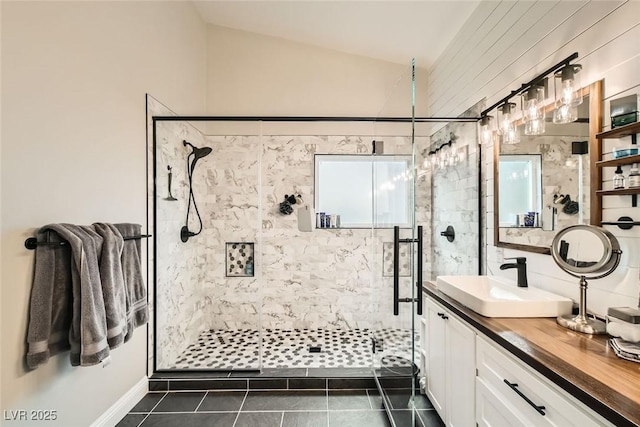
point(275, 408)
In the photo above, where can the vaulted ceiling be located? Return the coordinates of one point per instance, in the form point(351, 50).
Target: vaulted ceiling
point(391, 30)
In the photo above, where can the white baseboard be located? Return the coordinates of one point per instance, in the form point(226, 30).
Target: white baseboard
point(118, 410)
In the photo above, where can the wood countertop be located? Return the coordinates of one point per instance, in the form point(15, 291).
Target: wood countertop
point(583, 365)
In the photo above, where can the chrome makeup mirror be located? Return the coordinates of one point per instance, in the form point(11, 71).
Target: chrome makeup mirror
point(585, 252)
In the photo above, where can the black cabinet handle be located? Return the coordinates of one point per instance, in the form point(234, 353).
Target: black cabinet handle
point(443, 316)
point(514, 387)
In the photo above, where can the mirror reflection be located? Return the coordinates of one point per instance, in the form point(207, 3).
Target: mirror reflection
point(521, 178)
point(581, 248)
point(542, 183)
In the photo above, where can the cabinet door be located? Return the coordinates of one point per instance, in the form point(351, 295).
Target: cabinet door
point(461, 371)
point(436, 356)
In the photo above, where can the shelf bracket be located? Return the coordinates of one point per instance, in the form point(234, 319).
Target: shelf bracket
point(634, 200)
point(634, 138)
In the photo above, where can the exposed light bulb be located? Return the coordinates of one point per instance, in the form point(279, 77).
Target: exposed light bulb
point(486, 130)
point(533, 109)
point(507, 127)
point(569, 91)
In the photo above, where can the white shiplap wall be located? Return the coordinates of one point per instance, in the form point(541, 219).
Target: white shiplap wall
point(505, 44)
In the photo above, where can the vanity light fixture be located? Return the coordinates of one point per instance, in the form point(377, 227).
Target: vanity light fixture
point(445, 154)
point(486, 129)
point(507, 128)
point(534, 93)
point(533, 108)
point(567, 94)
point(567, 85)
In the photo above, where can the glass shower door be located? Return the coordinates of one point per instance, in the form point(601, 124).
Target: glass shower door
point(396, 260)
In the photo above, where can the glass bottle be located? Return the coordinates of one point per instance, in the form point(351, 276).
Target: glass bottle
point(634, 176)
point(618, 179)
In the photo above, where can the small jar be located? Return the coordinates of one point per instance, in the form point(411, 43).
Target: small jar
point(634, 176)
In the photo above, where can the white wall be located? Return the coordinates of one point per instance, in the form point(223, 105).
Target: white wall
point(504, 44)
point(74, 78)
point(251, 74)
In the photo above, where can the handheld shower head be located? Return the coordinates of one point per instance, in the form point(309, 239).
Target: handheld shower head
point(197, 154)
point(201, 152)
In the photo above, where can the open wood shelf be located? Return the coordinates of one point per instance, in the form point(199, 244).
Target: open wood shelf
point(627, 160)
point(619, 192)
point(626, 130)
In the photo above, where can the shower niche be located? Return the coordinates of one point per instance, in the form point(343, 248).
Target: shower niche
point(240, 259)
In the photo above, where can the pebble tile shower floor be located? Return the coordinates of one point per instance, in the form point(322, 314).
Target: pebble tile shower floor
point(238, 349)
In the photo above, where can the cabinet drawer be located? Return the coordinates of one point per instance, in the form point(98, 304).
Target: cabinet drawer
point(523, 392)
point(491, 410)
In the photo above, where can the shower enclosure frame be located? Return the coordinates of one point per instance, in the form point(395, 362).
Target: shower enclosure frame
point(156, 119)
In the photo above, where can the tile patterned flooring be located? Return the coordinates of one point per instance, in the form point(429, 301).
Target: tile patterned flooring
point(239, 349)
point(277, 408)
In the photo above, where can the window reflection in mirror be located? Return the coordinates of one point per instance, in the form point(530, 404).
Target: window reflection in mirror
point(520, 190)
point(366, 191)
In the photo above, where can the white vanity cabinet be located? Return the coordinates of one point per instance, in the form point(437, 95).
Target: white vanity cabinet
point(472, 381)
point(449, 364)
point(509, 393)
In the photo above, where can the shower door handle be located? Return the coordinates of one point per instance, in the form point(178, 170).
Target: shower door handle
point(396, 270)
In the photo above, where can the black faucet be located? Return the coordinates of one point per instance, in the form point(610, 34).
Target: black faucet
point(521, 265)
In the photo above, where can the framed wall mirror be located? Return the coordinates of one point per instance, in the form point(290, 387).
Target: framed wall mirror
point(543, 183)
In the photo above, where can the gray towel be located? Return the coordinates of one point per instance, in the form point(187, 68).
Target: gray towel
point(136, 291)
point(51, 301)
point(111, 276)
point(88, 334)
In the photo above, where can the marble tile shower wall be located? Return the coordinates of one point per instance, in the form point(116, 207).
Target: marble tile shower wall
point(181, 267)
point(230, 213)
point(455, 196)
point(321, 279)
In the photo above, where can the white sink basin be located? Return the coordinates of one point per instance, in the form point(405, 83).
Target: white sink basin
point(497, 297)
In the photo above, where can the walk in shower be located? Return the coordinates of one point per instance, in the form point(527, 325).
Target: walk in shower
point(252, 291)
point(263, 287)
